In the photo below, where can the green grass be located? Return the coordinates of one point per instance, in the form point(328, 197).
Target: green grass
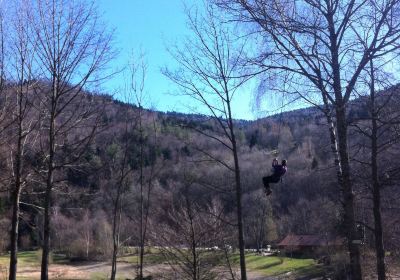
point(273, 266)
point(29, 258)
point(153, 258)
point(268, 266)
point(24, 258)
point(32, 258)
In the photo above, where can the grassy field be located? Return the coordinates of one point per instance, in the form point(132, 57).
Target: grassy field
point(267, 266)
point(62, 269)
point(33, 258)
point(148, 259)
point(24, 258)
point(273, 266)
point(29, 267)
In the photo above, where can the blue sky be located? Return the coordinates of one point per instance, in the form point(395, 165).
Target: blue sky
point(151, 25)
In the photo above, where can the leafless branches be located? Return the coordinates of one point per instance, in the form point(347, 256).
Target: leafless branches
point(72, 47)
point(211, 72)
point(327, 45)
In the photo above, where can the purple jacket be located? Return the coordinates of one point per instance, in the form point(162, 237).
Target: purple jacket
point(279, 170)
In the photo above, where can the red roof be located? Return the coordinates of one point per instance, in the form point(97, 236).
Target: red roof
point(310, 240)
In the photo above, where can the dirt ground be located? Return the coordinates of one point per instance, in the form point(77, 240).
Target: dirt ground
point(101, 270)
point(89, 270)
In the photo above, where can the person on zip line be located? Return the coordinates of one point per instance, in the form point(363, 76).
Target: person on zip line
point(278, 170)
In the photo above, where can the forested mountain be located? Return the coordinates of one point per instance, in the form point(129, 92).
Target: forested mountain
point(173, 159)
point(85, 176)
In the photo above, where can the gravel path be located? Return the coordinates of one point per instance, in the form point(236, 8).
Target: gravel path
point(87, 270)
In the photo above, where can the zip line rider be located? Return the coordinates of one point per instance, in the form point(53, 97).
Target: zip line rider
point(278, 170)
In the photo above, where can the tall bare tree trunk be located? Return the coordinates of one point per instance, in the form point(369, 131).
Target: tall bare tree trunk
point(49, 186)
point(193, 244)
point(14, 233)
point(144, 206)
point(238, 187)
point(348, 196)
point(17, 190)
point(15, 214)
point(121, 183)
point(239, 212)
point(376, 186)
point(345, 184)
point(115, 233)
point(118, 207)
point(342, 129)
point(141, 252)
point(346, 187)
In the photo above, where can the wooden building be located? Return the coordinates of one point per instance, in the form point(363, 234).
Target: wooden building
point(309, 244)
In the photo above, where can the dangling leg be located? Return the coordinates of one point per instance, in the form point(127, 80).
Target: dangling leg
point(266, 181)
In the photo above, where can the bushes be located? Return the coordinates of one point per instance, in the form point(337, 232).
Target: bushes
point(4, 233)
point(84, 238)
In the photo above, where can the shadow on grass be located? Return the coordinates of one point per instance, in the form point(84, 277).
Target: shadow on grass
point(269, 265)
point(310, 272)
point(274, 266)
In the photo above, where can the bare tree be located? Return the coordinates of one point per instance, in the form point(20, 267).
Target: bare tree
point(210, 74)
point(376, 185)
point(87, 232)
point(188, 235)
point(259, 212)
point(135, 161)
point(135, 94)
point(316, 43)
point(121, 170)
point(124, 165)
point(138, 71)
point(22, 51)
point(380, 134)
point(73, 46)
point(379, 128)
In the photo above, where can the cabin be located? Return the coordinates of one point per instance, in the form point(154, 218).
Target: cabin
point(309, 245)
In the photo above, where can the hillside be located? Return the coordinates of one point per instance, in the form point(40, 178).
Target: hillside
point(175, 165)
